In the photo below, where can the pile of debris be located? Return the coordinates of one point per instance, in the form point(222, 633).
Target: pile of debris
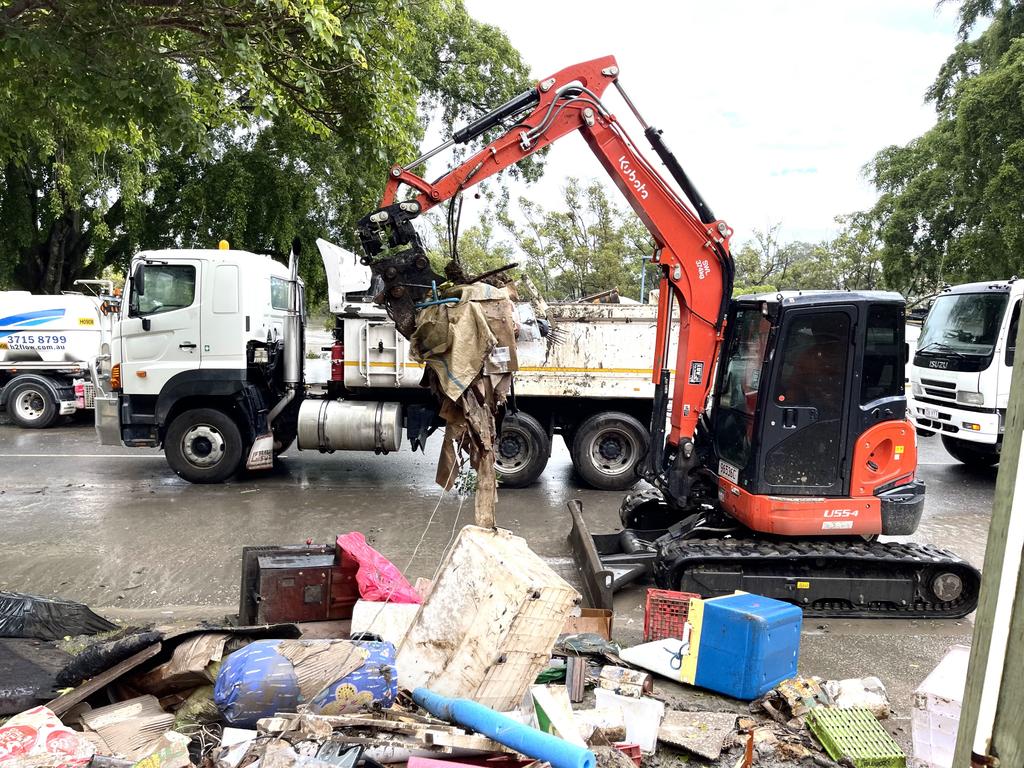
point(493, 664)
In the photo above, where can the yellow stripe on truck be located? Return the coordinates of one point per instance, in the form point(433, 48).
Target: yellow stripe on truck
point(527, 368)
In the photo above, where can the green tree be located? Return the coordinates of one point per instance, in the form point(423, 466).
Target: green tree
point(950, 207)
point(852, 259)
point(588, 246)
point(479, 248)
point(849, 261)
point(180, 122)
point(766, 262)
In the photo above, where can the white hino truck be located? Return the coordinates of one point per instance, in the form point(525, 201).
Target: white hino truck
point(207, 356)
point(48, 351)
point(962, 365)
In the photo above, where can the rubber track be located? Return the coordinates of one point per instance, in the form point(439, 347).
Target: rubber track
point(829, 558)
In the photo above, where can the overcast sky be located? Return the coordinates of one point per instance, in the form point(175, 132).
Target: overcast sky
point(773, 107)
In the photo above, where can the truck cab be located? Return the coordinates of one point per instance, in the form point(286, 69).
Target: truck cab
point(962, 366)
point(195, 357)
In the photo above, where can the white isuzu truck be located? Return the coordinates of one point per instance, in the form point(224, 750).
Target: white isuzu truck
point(962, 365)
point(207, 356)
point(48, 351)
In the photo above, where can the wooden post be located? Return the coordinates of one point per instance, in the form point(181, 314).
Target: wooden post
point(486, 491)
point(993, 705)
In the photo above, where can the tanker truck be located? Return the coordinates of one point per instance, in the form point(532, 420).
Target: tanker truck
point(49, 346)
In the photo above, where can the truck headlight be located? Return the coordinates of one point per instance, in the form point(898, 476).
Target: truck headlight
point(916, 388)
point(970, 398)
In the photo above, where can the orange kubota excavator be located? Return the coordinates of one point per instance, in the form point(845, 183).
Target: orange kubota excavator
point(785, 451)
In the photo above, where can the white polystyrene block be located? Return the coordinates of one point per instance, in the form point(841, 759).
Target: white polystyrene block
point(936, 714)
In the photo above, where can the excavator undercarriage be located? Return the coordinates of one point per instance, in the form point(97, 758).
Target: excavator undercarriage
point(842, 577)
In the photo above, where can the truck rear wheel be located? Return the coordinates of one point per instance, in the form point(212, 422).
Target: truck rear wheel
point(31, 405)
point(203, 446)
point(972, 454)
point(607, 448)
point(523, 450)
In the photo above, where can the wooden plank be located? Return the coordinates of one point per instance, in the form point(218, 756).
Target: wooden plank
point(413, 735)
point(1007, 740)
point(63, 703)
point(576, 677)
point(1008, 736)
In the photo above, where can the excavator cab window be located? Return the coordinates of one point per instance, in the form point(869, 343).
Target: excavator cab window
point(740, 384)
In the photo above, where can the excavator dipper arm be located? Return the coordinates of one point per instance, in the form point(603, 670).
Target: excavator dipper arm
point(691, 246)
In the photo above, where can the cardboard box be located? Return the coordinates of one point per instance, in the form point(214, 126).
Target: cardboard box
point(596, 621)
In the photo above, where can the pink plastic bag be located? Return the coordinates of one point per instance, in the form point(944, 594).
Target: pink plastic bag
point(378, 579)
point(37, 733)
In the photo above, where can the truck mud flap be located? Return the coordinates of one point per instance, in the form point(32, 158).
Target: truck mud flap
point(604, 561)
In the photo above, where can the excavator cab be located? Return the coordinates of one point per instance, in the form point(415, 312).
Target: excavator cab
point(808, 418)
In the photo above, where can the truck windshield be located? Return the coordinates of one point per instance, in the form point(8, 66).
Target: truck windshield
point(962, 330)
point(741, 380)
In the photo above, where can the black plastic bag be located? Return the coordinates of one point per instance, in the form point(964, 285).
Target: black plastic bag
point(46, 618)
point(102, 656)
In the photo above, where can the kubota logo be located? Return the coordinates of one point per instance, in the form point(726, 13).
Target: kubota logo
point(630, 175)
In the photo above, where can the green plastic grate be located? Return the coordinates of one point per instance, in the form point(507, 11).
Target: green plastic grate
point(856, 735)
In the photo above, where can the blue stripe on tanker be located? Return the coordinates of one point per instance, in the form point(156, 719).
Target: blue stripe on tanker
point(32, 318)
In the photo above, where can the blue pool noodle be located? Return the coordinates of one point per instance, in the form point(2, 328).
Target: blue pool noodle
point(504, 730)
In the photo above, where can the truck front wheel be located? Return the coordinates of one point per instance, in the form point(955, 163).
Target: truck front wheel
point(972, 454)
point(607, 448)
point(203, 446)
point(31, 405)
point(523, 450)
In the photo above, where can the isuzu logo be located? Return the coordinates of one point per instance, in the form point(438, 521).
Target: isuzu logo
point(631, 177)
point(938, 364)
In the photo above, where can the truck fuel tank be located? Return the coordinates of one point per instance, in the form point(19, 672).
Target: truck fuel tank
point(347, 425)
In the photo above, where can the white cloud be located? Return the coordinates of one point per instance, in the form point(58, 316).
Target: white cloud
point(773, 107)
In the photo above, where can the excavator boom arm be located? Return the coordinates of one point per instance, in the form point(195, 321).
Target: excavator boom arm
point(691, 247)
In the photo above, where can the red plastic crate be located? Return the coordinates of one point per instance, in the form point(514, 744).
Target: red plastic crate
point(632, 751)
point(665, 614)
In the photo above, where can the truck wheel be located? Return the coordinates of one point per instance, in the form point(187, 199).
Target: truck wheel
point(203, 446)
point(607, 448)
point(31, 405)
point(523, 449)
point(976, 455)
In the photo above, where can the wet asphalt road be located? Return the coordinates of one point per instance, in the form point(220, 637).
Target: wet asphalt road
point(115, 528)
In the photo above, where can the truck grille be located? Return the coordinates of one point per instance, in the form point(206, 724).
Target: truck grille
point(944, 390)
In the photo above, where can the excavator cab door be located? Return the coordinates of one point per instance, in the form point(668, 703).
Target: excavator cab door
point(780, 418)
point(804, 423)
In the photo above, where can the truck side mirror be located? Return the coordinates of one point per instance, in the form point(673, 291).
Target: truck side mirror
point(146, 323)
point(139, 280)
